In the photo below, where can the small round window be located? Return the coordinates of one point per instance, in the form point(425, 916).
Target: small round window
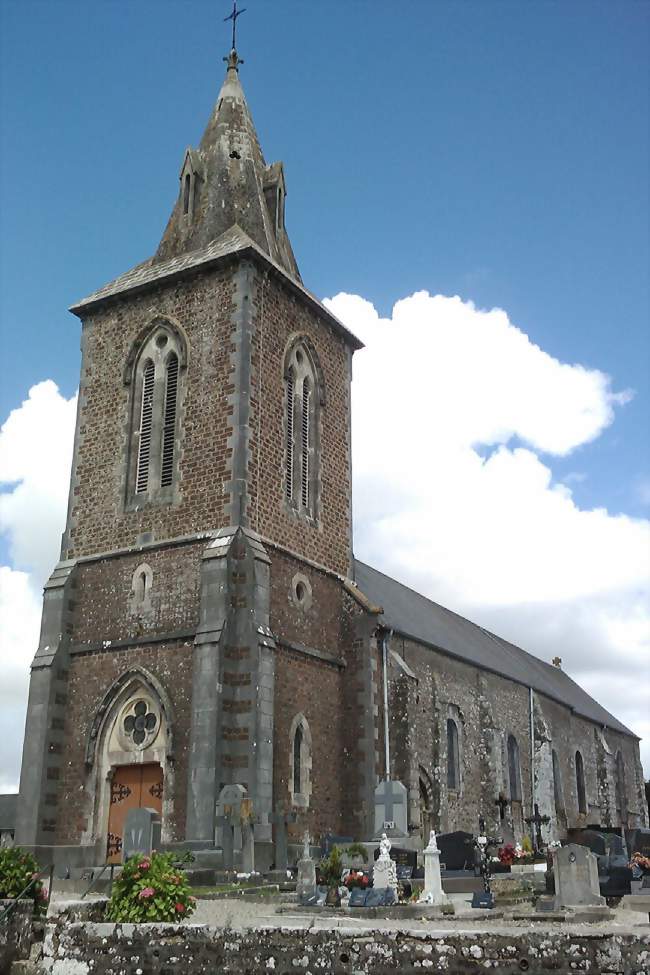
point(139, 724)
point(301, 591)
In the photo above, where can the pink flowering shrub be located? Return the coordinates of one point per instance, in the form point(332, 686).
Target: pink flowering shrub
point(19, 870)
point(150, 889)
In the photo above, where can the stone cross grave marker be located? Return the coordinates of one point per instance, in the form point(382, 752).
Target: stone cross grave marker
point(141, 833)
point(229, 802)
point(281, 818)
point(306, 885)
point(391, 810)
point(575, 870)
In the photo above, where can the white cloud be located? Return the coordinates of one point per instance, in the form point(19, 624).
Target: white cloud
point(35, 455)
point(456, 414)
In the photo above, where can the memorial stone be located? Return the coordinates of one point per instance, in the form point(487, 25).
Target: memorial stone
point(229, 819)
point(141, 833)
point(575, 870)
point(433, 893)
point(384, 872)
point(391, 808)
point(306, 885)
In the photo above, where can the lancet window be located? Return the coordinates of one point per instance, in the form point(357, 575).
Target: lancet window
point(580, 784)
point(514, 769)
point(302, 400)
point(155, 407)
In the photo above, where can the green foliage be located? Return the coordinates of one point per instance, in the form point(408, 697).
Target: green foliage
point(150, 888)
point(330, 868)
point(357, 850)
point(526, 845)
point(18, 870)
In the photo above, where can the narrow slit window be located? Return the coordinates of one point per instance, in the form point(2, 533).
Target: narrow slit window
point(453, 756)
point(169, 422)
point(187, 186)
point(580, 784)
point(305, 438)
point(514, 775)
point(146, 416)
point(289, 461)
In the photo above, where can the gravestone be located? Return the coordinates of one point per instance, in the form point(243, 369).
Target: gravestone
point(575, 870)
point(638, 841)
point(247, 826)
point(306, 885)
point(456, 850)
point(229, 819)
point(406, 861)
point(384, 872)
point(141, 833)
point(391, 808)
point(433, 893)
point(281, 818)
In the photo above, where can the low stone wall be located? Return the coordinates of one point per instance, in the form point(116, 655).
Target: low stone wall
point(150, 949)
point(15, 932)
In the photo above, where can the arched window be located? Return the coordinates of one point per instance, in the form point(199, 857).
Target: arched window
point(453, 756)
point(580, 784)
point(557, 784)
point(297, 759)
point(300, 762)
point(302, 400)
point(514, 771)
point(155, 375)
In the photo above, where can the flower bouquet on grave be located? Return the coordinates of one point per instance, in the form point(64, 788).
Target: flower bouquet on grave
point(507, 854)
point(329, 875)
point(356, 878)
point(640, 865)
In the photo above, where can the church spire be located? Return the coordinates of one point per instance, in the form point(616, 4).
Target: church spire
point(226, 182)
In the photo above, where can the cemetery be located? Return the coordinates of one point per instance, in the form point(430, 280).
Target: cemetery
point(454, 902)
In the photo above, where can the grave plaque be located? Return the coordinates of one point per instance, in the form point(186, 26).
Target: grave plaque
point(141, 833)
point(575, 870)
point(391, 808)
point(456, 850)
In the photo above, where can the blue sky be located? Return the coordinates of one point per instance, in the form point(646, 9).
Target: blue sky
point(489, 149)
point(496, 150)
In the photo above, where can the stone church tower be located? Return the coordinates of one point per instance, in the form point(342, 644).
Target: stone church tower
point(207, 624)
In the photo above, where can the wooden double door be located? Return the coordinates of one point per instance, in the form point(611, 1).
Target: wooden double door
point(132, 787)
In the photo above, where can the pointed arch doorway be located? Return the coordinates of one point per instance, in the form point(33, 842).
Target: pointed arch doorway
point(132, 787)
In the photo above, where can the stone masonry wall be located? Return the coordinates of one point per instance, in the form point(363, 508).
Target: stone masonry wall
point(278, 316)
point(91, 675)
point(203, 307)
point(486, 701)
point(103, 949)
point(104, 606)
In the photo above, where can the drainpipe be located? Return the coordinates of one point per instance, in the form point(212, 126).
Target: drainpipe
point(531, 718)
point(385, 637)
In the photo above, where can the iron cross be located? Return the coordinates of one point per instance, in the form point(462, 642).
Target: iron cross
point(503, 804)
point(233, 16)
point(538, 821)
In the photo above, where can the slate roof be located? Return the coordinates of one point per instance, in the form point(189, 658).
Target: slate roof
point(413, 615)
point(8, 808)
point(233, 242)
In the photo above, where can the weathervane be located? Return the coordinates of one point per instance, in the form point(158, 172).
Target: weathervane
point(233, 16)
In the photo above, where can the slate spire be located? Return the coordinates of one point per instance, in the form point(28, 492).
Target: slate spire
point(226, 182)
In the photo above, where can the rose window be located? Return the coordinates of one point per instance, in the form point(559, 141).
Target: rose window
point(140, 724)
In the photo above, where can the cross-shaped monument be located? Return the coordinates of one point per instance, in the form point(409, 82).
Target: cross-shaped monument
point(538, 820)
point(281, 818)
point(503, 804)
point(391, 810)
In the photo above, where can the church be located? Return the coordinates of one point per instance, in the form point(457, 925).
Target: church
point(208, 625)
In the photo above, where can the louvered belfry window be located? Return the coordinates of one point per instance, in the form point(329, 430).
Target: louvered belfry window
point(289, 443)
point(146, 422)
point(301, 429)
point(169, 423)
point(304, 445)
point(156, 378)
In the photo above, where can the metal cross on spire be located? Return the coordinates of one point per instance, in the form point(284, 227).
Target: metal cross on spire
point(233, 16)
